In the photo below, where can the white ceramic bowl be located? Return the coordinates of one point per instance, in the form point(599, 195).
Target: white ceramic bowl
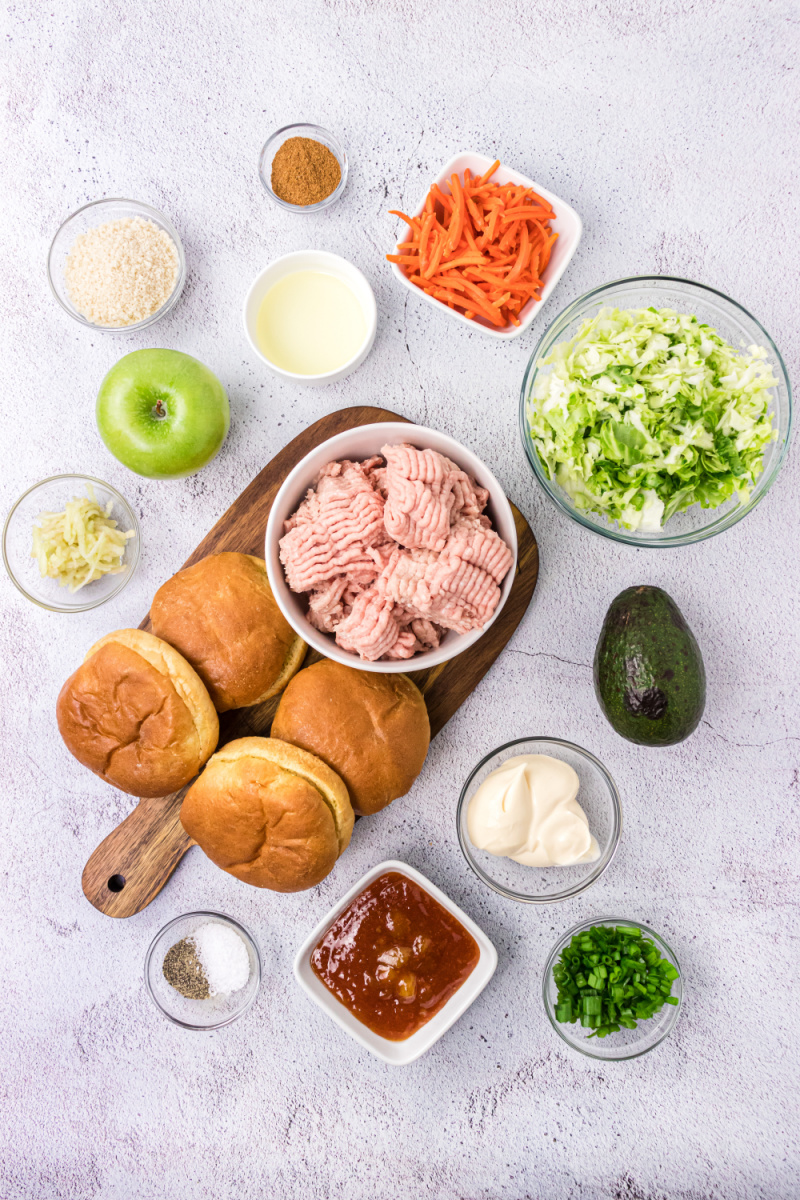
point(330, 264)
point(356, 444)
point(567, 225)
point(397, 1053)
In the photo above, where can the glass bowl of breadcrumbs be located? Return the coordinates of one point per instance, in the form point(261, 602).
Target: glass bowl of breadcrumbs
point(116, 265)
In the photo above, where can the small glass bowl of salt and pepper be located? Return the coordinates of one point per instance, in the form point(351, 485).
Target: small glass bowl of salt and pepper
point(203, 970)
point(303, 168)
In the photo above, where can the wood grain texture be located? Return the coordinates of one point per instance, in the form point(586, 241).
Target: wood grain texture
point(146, 848)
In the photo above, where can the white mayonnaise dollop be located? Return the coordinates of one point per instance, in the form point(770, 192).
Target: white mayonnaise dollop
point(526, 810)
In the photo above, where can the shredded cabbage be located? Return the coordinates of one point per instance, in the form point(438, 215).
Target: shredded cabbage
point(649, 411)
point(80, 544)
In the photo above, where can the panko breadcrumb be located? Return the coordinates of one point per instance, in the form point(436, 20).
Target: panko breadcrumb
point(121, 272)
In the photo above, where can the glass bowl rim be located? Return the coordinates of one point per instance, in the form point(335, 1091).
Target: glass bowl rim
point(548, 968)
point(729, 519)
point(341, 157)
point(124, 577)
point(605, 859)
point(234, 1016)
point(170, 301)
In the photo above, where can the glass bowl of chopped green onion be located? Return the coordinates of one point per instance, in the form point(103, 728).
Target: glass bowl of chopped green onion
point(612, 988)
point(70, 543)
point(655, 411)
point(597, 796)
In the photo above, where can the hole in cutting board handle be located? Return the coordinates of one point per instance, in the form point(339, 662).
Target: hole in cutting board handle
point(116, 883)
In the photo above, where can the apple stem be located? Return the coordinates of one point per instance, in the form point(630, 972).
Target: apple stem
point(159, 409)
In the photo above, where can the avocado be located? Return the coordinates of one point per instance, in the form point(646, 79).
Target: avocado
point(648, 670)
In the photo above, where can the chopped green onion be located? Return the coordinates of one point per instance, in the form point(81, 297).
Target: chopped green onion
point(610, 977)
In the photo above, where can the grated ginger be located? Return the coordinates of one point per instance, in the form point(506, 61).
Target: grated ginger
point(79, 545)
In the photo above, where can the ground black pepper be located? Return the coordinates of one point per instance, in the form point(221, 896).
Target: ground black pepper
point(304, 172)
point(183, 971)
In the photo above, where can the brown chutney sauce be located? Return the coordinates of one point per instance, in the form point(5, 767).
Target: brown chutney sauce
point(395, 956)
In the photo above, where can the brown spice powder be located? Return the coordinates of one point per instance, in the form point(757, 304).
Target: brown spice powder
point(183, 971)
point(304, 172)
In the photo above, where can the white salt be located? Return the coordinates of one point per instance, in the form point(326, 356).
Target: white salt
point(223, 956)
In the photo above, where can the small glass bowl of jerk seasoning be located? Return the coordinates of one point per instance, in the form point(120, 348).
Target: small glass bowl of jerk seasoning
point(303, 168)
point(612, 988)
point(196, 974)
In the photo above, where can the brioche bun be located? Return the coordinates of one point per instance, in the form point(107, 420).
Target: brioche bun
point(270, 814)
point(137, 714)
point(371, 729)
point(222, 617)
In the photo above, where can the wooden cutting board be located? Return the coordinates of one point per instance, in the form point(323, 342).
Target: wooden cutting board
point(130, 867)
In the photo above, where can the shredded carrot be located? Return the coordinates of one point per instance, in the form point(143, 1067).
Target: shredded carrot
point(480, 248)
point(425, 232)
point(445, 201)
point(413, 222)
point(457, 223)
point(477, 219)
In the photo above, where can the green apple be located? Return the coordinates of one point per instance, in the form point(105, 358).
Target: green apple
point(162, 413)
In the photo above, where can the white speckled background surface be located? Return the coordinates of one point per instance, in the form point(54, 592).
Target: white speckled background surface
point(671, 126)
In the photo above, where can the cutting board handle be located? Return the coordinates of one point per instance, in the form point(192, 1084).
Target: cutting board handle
point(131, 866)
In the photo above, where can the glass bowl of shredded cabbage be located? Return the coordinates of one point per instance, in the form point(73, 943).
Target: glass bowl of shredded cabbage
point(656, 411)
point(70, 543)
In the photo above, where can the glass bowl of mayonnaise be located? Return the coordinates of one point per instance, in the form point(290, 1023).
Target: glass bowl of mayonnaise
point(539, 820)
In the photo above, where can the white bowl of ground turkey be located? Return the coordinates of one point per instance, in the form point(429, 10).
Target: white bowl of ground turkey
point(356, 446)
point(116, 265)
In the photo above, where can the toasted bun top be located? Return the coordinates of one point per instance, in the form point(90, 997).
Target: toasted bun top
point(222, 617)
point(373, 730)
point(270, 814)
point(136, 714)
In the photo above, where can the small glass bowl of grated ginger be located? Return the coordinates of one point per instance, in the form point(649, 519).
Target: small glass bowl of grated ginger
point(116, 265)
point(298, 168)
point(92, 546)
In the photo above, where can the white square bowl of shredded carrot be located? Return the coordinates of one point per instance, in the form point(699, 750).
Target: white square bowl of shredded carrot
point(486, 245)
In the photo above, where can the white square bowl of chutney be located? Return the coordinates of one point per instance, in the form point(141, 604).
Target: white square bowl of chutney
point(398, 951)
